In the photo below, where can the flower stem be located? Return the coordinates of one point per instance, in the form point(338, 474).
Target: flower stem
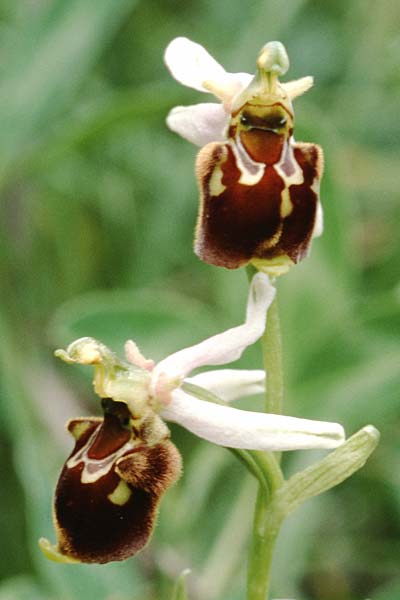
point(272, 356)
point(267, 516)
point(266, 525)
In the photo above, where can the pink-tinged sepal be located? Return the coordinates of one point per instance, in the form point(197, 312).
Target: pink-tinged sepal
point(109, 489)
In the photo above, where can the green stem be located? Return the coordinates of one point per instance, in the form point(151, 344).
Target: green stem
point(269, 466)
point(266, 525)
point(267, 516)
point(272, 355)
point(246, 458)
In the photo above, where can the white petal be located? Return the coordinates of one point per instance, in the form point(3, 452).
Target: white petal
point(229, 345)
point(236, 428)
point(190, 64)
point(230, 384)
point(199, 123)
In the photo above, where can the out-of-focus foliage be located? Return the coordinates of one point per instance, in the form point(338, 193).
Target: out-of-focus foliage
point(98, 205)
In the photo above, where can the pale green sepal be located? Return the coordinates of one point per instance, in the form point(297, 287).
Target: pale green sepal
point(180, 591)
point(52, 553)
point(330, 471)
point(113, 378)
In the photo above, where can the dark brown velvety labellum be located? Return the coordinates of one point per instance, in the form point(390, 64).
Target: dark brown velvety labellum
point(109, 489)
point(261, 206)
point(299, 224)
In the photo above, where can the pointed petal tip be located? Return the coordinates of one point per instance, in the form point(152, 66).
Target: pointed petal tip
point(334, 435)
point(298, 86)
point(321, 434)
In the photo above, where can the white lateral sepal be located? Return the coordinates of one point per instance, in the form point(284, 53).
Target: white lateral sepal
point(234, 428)
point(231, 384)
point(199, 123)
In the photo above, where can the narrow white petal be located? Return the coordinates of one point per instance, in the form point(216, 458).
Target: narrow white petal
point(229, 345)
point(298, 86)
point(199, 123)
point(191, 64)
point(231, 384)
point(236, 428)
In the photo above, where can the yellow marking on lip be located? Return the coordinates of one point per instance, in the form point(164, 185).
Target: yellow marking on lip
point(269, 243)
point(53, 553)
point(286, 204)
point(121, 494)
point(215, 185)
point(79, 429)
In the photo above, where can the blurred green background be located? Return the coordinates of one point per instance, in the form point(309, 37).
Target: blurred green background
point(98, 205)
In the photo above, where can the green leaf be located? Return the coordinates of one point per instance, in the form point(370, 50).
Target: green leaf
point(330, 471)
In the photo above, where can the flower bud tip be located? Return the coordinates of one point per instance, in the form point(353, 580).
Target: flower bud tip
point(372, 431)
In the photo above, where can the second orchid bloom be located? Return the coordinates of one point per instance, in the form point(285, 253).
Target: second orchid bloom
point(108, 492)
point(259, 188)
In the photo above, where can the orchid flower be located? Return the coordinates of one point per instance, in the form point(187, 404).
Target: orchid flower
point(259, 188)
point(108, 492)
